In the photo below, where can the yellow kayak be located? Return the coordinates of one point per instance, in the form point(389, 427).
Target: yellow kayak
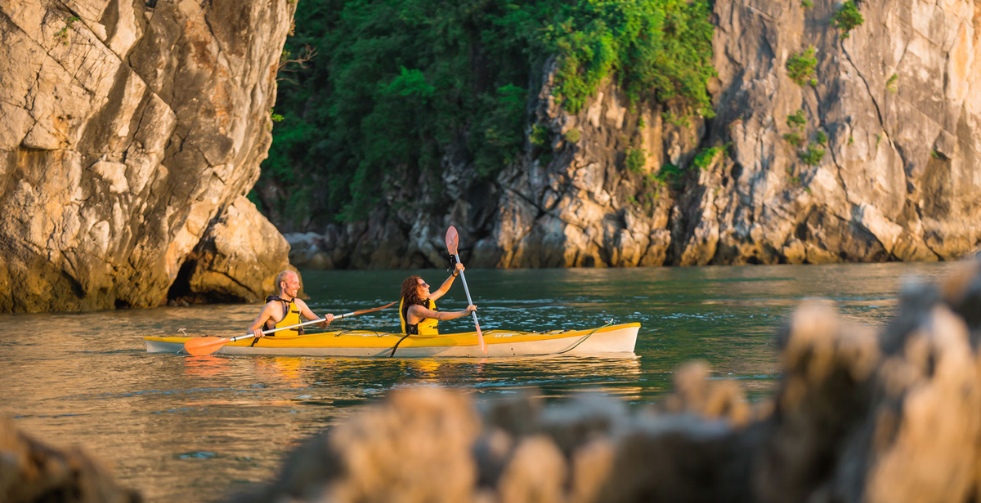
point(364, 343)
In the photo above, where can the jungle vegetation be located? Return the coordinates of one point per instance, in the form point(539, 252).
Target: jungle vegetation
point(374, 87)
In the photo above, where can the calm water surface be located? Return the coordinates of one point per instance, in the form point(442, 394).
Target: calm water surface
point(181, 428)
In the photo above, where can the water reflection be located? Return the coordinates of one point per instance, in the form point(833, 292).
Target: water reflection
point(182, 428)
point(288, 370)
point(204, 366)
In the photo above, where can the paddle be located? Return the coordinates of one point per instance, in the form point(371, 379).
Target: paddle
point(200, 346)
point(452, 239)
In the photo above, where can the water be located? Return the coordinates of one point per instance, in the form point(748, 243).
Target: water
point(181, 428)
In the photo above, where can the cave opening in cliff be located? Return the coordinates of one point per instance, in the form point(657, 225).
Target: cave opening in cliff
point(181, 293)
point(180, 290)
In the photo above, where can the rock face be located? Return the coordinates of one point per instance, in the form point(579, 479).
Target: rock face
point(898, 102)
point(131, 132)
point(861, 415)
point(893, 108)
point(872, 157)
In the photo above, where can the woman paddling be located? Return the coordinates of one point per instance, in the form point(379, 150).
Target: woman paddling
point(417, 309)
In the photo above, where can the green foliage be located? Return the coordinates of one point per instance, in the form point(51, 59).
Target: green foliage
point(500, 134)
point(848, 17)
point(797, 120)
point(704, 158)
point(390, 85)
point(800, 67)
point(892, 85)
point(821, 138)
point(62, 34)
point(573, 135)
point(812, 155)
point(662, 46)
point(675, 120)
point(539, 136)
point(635, 160)
point(794, 139)
point(669, 175)
point(807, 4)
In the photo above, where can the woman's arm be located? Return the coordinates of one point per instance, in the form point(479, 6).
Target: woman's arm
point(445, 287)
point(422, 313)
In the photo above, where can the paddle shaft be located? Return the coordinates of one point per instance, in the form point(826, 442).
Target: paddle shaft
point(206, 345)
point(277, 329)
point(452, 240)
point(311, 322)
point(480, 336)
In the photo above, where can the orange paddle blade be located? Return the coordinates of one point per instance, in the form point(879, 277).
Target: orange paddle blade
point(199, 346)
point(452, 238)
point(480, 337)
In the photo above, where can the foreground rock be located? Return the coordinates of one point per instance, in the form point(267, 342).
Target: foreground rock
point(866, 415)
point(130, 130)
point(861, 415)
point(31, 471)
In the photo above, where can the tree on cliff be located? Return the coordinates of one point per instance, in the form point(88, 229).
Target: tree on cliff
point(399, 86)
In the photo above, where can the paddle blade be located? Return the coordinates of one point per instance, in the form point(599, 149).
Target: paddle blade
point(452, 239)
point(480, 337)
point(200, 346)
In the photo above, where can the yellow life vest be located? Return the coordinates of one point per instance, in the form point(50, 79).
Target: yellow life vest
point(428, 326)
point(291, 316)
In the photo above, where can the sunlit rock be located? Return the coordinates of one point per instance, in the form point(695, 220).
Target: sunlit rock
point(128, 128)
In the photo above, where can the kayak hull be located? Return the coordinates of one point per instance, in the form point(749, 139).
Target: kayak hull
point(608, 339)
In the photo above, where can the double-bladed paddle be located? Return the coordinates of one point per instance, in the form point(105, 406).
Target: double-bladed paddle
point(452, 240)
point(200, 346)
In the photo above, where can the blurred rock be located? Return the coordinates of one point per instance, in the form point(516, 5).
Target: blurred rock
point(861, 415)
point(887, 415)
point(33, 472)
point(307, 250)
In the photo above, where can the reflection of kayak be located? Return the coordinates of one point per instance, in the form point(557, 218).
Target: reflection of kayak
point(592, 341)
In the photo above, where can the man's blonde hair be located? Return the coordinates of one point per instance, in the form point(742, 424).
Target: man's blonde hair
point(281, 277)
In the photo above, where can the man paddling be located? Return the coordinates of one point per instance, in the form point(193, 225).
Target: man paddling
point(284, 310)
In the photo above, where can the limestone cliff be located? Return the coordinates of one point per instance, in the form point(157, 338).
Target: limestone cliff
point(132, 130)
point(129, 130)
point(873, 156)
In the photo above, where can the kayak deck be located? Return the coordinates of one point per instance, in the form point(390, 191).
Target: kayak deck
point(365, 343)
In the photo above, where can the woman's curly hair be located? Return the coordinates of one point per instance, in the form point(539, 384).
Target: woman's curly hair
point(410, 291)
